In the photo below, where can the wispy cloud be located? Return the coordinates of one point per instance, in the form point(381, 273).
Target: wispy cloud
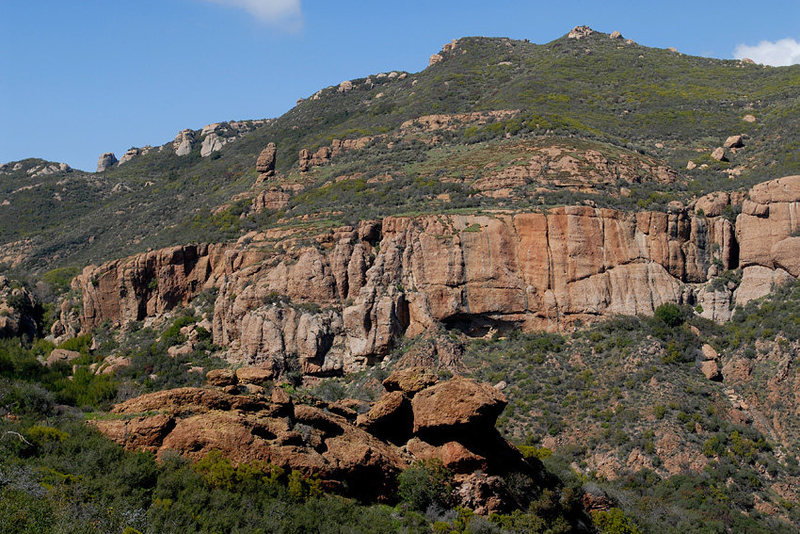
point(778, 54)
point(287, 13)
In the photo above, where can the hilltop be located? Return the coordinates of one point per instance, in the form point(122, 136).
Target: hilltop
point(485, 120)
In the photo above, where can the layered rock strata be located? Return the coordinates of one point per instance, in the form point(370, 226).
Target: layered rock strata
point(339, 303)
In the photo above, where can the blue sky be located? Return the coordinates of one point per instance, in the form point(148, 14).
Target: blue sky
point(82, 77)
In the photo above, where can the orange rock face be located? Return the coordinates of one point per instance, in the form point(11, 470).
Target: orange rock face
point(314, 439)
point(456, 405)
point(360, 289)
point(149, 284)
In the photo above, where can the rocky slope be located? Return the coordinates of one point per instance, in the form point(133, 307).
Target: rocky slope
point(338, 299)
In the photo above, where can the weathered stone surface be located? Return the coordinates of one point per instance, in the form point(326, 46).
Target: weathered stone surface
point(253, 375)
point(710, 369)
point(361, 289)
point(434, 59)
point(212, 143)
point(410, 380)
point(315, 439)
point(765, 234)
point(717, 304)
point(221, 378)
point(134, 152)
point(712, 204)
point(265, 164)
point(580, 32)
point(734, 141)
point(186, 400)
point(272, 199)
point(786, 189)
point(184, 142)
point(128, 290)
point(139, 433)
point(757, 282)
point(106, 161)
point(709, 353)
point(453, 455)
point(112, 364)
point(458, 405)
point(484, 494)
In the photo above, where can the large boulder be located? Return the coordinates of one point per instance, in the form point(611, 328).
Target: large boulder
point(309, 439)
point(106, 161)
point(254, 375)
point(184, 142)
point(265, 164)
point(734, 141)
point(453, 455)
point(221, 377)
point(410, 380)
point(460, 405)
point(360, 459)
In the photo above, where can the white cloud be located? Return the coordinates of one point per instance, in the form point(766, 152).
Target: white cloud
point(286, 12)
point(778, 54)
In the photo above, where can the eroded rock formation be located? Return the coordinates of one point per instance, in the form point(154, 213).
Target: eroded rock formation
point(128, 290)
point(343, 300)
point(350, 453)
point(106, 161)
point(265, 164)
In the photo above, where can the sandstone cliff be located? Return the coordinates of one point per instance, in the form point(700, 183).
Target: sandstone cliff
point(337, 299)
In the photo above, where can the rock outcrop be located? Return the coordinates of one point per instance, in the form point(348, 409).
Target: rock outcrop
point(307, 159)
point(446, 49)
point(212, 143)
point(134, 152)
point(337, 305)
point(766, 233)
point(265, 164)
point(128, 290)
point(106, 161)
point(580, 32)
point(16, 310)
point(271, 199)
point(184, 142)
point(322, 438)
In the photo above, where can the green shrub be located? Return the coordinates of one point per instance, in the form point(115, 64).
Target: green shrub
point(670, 314)
point(614, 521)
point(79, 344)
point(425, 484)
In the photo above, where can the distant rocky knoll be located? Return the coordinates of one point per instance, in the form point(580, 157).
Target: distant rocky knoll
point(419, 418)
point(337, 299)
